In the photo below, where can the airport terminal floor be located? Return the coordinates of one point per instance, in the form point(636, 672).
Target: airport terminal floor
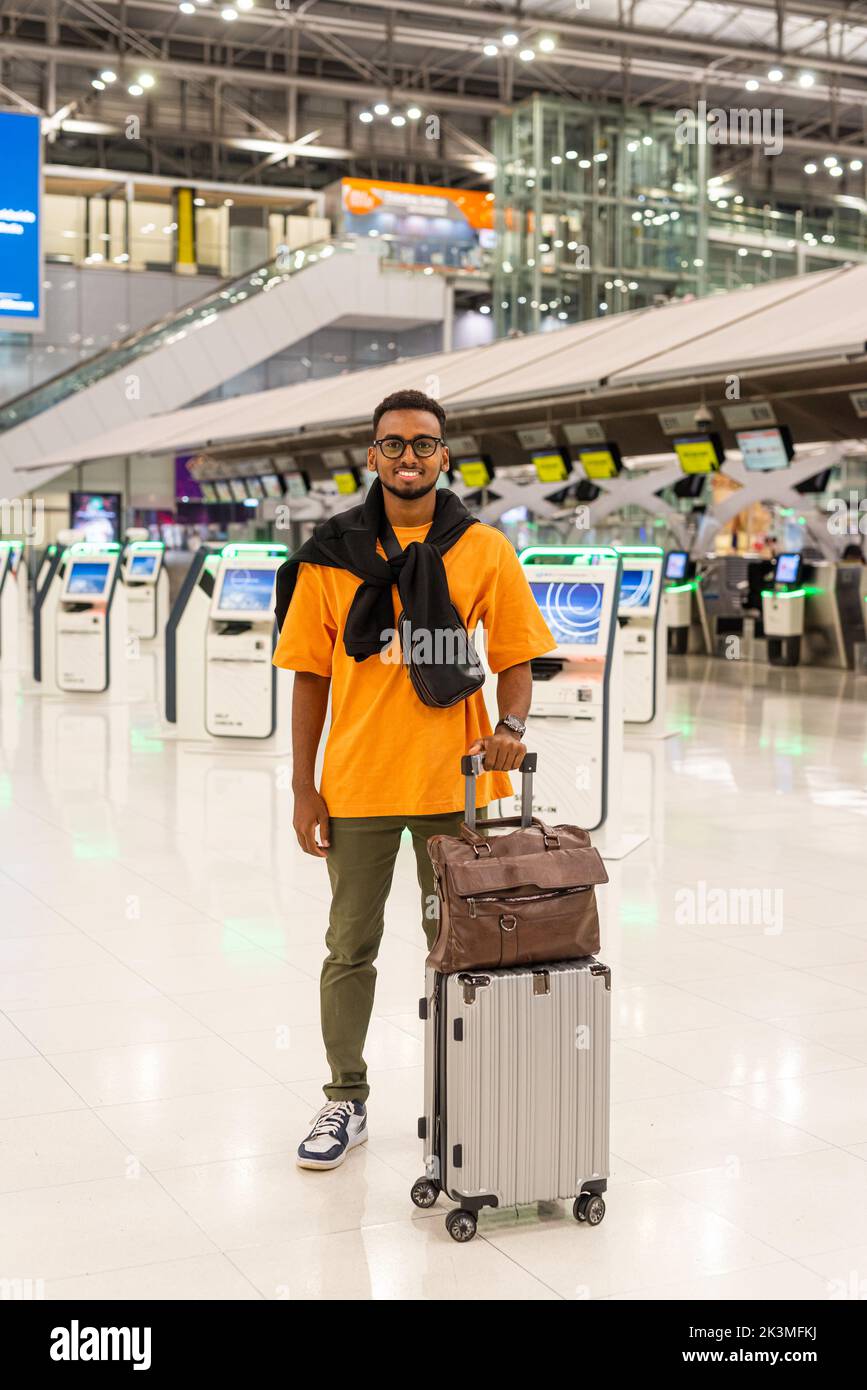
point(160, 1056)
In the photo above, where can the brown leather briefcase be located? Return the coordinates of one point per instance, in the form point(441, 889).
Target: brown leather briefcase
point(514, 899)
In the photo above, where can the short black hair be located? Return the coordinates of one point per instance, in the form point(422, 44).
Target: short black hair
point(409, 400)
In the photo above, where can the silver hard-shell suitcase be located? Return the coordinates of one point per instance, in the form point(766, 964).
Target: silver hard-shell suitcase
point(517, 1088)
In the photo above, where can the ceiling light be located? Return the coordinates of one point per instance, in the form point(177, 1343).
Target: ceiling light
point(647, 139)
point(366, 116)
point(135, 90)
point(484, 308)
point(767, 254)
point(571, 154)
point(601, 157)
point(98, 84)
point(636, 217)
point(244, 4)
point(751, 84)
point(775, 74)
point(633, 284)
point(527, 55)
point(742, 251)
point(228, 14)
point(809, 168)
point(829, 161)
point(187, 7)
point(199, 202)
point(398, 120)
point(632, 146)
point(146, 80)
point(806, 79)
point(382, 108)
point(490, 50)
point(603, 306)
point(855, 165)
point(556, 159)
point(228, 202)
point(836, 172)
point(510, 40)
point(548, 44)
point(583, 163)
point(413, 113)
point(740, 198)
point(108, 76)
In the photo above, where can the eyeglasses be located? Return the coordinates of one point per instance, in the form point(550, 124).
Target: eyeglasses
point(424, 446)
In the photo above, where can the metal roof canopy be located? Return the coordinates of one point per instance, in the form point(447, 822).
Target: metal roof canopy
point(637, 363)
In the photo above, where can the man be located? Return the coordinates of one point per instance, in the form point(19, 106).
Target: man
point(392, 762)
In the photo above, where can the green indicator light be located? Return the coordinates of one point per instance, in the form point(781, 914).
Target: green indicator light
point(639, 550)
point(147, 545)
point(91, 548)
point(560, 552)
point(254, 547)
point(688, 587)
point(787, 593)
point(787, 511)
point(813, 589)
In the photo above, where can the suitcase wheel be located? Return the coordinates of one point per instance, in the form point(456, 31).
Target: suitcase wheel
point(589, 1207)
point(424, 1192)
point(461, 1225)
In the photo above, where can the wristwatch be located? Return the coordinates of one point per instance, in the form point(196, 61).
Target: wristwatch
point(515, 725)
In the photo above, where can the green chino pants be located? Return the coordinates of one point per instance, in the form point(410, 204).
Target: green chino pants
point(360, 866)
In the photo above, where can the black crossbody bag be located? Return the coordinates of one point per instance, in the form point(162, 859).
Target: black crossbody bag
point(458, 673)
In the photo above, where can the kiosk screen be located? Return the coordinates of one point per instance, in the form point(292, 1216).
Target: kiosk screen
point(255, 487)
point(675, 564)
point(238, 488)
point(224, 492)
point(247, 591)
point(296, 485)
point(87, 578)
point(787, 569)
point(573, 611)
point(143, 566)
point(209, 493)
point(636, 589)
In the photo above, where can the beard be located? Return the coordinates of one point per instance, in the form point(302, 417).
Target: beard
point(411, 494)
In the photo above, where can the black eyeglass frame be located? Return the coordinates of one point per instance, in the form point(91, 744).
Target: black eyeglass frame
point(438, 440)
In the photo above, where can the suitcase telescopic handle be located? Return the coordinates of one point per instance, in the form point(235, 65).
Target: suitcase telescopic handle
point(472, 766)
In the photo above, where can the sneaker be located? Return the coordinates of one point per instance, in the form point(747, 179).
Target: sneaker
point(338, 1127)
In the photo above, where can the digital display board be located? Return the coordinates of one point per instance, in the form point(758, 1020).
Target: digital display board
point(601, 462)
point(297, 485)
point(272, 485)
point(209, 492)
point(346, 480)
point(765, 450)
point(238, 487)
point(20, 222)
point(96, 515)
point(224, 492)
point(550, 467)
point(699, 453)
point(474, 472)
point(256, 487)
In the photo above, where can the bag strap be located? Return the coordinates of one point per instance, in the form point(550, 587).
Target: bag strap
point(479, 843)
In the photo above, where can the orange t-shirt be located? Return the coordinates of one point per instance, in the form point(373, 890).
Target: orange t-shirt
point(386, 753)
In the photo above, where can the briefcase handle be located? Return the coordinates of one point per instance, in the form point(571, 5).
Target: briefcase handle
point(473, 765)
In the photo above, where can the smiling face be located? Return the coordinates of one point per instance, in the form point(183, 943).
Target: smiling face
point(408, 477)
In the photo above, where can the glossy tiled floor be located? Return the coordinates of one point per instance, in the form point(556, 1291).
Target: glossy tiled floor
point(160, 941)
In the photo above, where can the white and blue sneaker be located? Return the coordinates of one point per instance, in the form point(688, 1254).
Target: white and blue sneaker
point(337, 1128)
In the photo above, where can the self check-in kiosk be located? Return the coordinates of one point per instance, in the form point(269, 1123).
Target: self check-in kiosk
point(576, 713)
point(644, 647)
point(10, 554)
point(46, 597)
point(146, 581)
point(680, 585)
point(220, 679)
point(90, 622)
point(783, 612)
